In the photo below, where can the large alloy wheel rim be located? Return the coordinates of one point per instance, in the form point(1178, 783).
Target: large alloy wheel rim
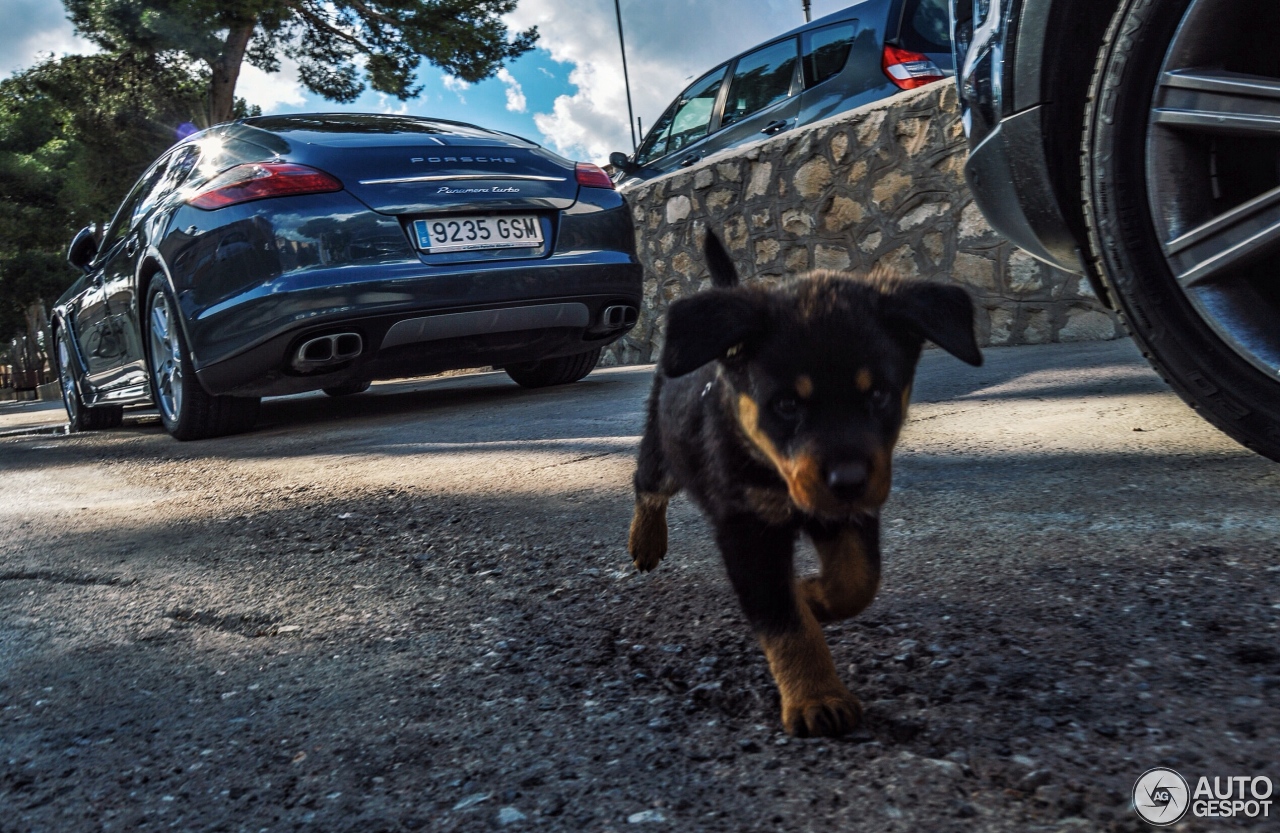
point(166, 357)
point(1213, 172)
point(70, 399)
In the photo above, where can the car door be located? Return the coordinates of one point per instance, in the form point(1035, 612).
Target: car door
point(112, 340)
point(121, 287)
point(676, 139)
point(763, 96)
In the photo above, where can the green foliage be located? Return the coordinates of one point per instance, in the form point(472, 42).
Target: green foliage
point(330, 39)
point(75, 134)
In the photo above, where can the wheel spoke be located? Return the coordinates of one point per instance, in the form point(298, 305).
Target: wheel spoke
point(1249, 230)
point(1217, 101)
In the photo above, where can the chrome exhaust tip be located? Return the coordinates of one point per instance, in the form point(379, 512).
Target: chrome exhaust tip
point(323, 351)
point(619, 316)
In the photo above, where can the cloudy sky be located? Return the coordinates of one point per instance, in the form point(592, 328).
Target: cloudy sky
point(567, 94)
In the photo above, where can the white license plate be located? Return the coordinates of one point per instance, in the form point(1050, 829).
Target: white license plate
point(494, 231)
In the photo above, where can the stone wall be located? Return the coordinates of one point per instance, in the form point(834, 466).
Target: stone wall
point(883, 182)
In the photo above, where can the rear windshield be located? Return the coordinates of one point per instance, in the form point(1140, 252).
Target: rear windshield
point(926, 26)
point(760, 80)
point(826, 50)
point(365, 123)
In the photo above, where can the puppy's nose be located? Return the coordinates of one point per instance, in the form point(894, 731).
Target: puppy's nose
point(847, 481)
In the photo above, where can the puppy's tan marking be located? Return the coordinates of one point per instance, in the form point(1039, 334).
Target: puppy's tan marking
point(647, 542)
point(804, 386)
point(863, 380)
point(879, 477)
point(802, 473)
point(814, 701)
point(848, 579)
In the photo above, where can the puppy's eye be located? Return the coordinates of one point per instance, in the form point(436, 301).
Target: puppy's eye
point(881, 399)
point(786, 407)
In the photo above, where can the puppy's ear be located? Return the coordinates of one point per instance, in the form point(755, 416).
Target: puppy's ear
point(719, 263)
point(710, 326)
point(942, 314)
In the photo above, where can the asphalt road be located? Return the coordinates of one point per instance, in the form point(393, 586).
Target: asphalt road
point(413, 610)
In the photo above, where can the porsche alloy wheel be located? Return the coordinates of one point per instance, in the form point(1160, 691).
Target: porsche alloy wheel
point(1181, 167)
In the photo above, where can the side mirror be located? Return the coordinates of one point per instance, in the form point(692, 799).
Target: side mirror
point(83, 249)
point(619, 160)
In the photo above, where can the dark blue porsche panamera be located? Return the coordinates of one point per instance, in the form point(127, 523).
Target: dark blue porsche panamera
point(283, 254)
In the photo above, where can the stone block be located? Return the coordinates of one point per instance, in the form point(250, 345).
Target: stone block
point(797, 260)
point(831, 257)
point(761, 179)
point(730, 171)
point(797, 221)
point(1039, 327)
point(703, 179)
point(975, 271)
point(839, 146)
point(767, 250)
point(922, 214)
point(870, 242)
point(1088, 325)
point(720, 199)
point(1026, 275)
point(890, 187)
point(842, 213)
point(813, 177)
point(1001, 325)
point(678, 208)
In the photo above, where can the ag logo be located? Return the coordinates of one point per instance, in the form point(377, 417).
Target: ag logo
point(1161, 796)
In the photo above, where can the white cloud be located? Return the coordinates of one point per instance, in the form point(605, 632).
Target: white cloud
point(272, 91)
point(32, 29)
point(456, 85)
point(668, 42)
point(516, 102)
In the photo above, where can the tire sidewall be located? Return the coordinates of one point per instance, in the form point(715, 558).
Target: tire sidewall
point(71, 401)
point(176, 426)
point(1205, 370)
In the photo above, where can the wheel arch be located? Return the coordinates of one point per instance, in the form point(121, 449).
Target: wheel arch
point(149, 265)
point(1055, 46)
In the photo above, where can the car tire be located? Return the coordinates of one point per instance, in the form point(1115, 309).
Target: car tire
point(350, 388)
point(550, 372)
point(1135, 198)
point(81, 417)
point(187, 410)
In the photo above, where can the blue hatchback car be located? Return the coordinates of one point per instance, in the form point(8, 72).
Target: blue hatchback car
point(852, 57)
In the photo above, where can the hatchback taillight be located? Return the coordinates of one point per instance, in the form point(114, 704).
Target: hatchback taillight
point(592, 176)
point(261, 180)
point(909, 70)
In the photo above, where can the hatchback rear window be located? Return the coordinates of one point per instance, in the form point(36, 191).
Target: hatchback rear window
point(761, 79)
point(926, 26)
point(826, 50)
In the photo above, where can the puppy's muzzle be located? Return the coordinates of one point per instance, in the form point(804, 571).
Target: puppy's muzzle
point(848, 481)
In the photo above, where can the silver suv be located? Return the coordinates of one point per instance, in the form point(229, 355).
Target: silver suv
point(860, 54)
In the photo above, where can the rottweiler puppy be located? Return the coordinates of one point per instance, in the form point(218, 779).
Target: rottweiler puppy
point(778, 410)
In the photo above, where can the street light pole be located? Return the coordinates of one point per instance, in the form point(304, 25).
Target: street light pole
point(626, 80)
point(806, 10)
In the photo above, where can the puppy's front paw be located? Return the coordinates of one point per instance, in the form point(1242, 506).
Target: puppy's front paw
point(827, 715)
point(647, 546)
point(647, 542)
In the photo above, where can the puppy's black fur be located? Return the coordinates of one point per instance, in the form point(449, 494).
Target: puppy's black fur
point(778, 410)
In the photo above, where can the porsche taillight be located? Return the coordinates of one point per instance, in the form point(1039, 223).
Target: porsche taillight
point(592, 176)
point(260, 181)
point(907, 69)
